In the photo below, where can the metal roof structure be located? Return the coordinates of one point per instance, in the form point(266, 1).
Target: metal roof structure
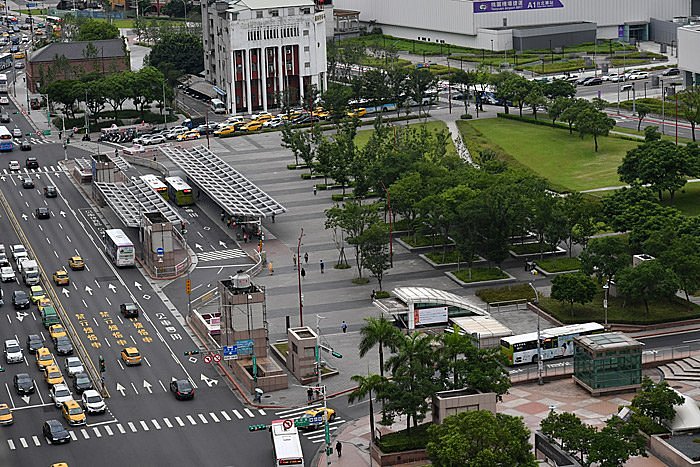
point(234, 193)
point(481, 326)
point(128, 200)
point(427, 295)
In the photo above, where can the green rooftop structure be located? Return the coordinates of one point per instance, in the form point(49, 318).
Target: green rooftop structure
point(609, 362)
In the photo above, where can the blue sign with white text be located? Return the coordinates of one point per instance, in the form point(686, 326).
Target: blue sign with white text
point(245, 347)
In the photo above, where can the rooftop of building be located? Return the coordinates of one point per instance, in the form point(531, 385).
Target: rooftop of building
point(240, 5)
point(109, 48)
point(608, 341)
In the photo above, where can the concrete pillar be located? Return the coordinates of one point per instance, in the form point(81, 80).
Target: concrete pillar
point(248, 76)
point(232, 84)
point(262, 61)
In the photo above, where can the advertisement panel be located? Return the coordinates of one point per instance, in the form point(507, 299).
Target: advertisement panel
point(493, 6)
point(430, 316)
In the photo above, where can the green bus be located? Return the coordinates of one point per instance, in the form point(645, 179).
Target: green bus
point(179, 191)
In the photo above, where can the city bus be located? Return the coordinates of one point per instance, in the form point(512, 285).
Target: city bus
point(179, 191)
point(5, 62)
point(554, 343)
point(156, 184)
point(54, 20)
point(119, 248)
point(3, 79)
point(286, 446)
point(6, 143)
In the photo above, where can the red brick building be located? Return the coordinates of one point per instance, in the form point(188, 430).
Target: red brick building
point(71, 60)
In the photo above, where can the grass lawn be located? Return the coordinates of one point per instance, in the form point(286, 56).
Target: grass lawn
point(363, 135)
point(35, 11)
point(402, 441)
point(529, 248)
point(452, 256)
point(567, 161)
point(480, 274)
point(621, 312)
point(687, 200)
point(508, 293)
point(559, 264)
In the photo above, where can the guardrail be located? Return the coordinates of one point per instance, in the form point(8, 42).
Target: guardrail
point(48, 288)
point(510, 305)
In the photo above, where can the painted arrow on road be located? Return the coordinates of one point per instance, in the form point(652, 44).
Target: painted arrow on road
point(21, 315)
point(63, 213)
point(222, 244)
point(88, 290)
point(24, 216)
point(147, 385)
point(26, 399)
point(121, 388)
point(112, 288)
point(210, 381)
point(137, 285)
point(198, 246)
point(65, 292)
point(2, 178)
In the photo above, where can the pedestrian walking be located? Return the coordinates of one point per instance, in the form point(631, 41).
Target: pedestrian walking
point(309, 395)
point(314, 190)
point(374, 295)
point(294, 259)
point(270, 268)
point(273, 217)
point(339, 448)
point(303, 273)
point(322, 266)
point(344, 327)
point(306, 257)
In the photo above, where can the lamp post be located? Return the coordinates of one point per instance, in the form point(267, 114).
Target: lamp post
point(606, 288)
point(301, 297)
point(539, 342)
point(391, 226)
point(663, 108)
point(634, 98)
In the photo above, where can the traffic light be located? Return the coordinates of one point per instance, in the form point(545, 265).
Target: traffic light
point(102, 364)
point(257, 427)
point(188, 286)
point(191, 352)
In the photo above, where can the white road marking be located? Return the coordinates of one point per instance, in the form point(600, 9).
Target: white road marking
point(237, 414)
point(203, 418)
point(24, 443)
point(132, 427)
point(121, 428)
point(36, 441)
point(97, 432)
point(155, 424)
point(285, 412)
point(262, 412)
point(144, 426)
point(85, 433)
point(167, 423)
point(214, 417)
point(225, 415)
point(11, 444)
point(250, 414)
point(191, 420)
point(179, 421)
point(108, 430)
point(72, 436)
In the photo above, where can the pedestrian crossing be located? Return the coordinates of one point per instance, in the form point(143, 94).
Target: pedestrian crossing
point(219, 255)
point(117, 428)
point(50, 169)
point(32, 140)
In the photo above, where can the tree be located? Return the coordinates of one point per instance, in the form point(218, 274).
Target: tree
point(690, 106)
point(616, 443)
point(366, 385)
point(375, 86)
point(573, 288)
point(344, 153)
point(651, 133)
point(649, 280)
point(556, 109)
point(642, 111)
point(336, 99)
point(571, 112)
point(374, 245)
point(181, 52)
point(405, 194)
point(572, 435)
point(578, 219)
point(660, 164)
point(65, 92)
point(396, 80)
point(512, 88)
point(177, 9)
point(657, 401)
point(682, 256)
point(353, 219)
point(535, 99)
point(605, 257)
point(94, 30)
point(378, 332)
point(116, 88)
point(479, 438)
point(558, 89)
point(594, 122)
point(418, 83)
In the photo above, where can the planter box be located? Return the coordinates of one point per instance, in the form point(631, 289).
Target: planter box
point(558, 251)
point(450, 265)
point(418, 249)
point(413, 458)
point(482, 283)
point(547, 274)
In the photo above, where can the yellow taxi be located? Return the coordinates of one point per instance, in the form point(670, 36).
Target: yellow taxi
point(262, 118)
point(38, 32)
point(76, 263)
point(6, 417)
point(56, 331)
point(317, 412)
point(44, 302)
point(131, 356)
point(252, 126)
point(228, 130)
point(36, 293)
point(44, 358)
point(53, 375)
point(18, 55)
point(73, 413)
point(60, 277)
point(322, 114)
point(357, 113)
point(290, 115)
point(189, 135)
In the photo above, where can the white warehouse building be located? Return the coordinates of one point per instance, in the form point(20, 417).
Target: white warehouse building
point(518, 24)
point(258, 52)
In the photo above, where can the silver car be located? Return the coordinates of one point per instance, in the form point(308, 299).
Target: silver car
point(74, 366)
point(93, 402)
point(13, 352)
point(59, 394)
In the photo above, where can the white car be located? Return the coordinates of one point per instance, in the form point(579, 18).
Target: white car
point(7, 274)
point(16, 133)
point(19, 252)
point(614, 77)
point(93, 402)
point(19, 65)
point(639, 75)
point(59, 394)
point(74, 366)
point(154, 139)
point(258, 115)
point(274, 123)
point(13, 352)
point(230, 120)
point(14, 166)
point(175, 132)
point(4, 100)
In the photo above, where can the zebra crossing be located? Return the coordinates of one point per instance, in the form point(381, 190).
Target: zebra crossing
point(42, 169)
point(32, 140)
point(315, 436)
point(219, 255)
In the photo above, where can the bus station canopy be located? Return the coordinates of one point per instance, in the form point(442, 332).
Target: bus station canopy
point(235, 194)
point(129, 200)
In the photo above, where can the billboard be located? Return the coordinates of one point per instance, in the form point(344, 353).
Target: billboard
point(430, 316)
point(493, 6)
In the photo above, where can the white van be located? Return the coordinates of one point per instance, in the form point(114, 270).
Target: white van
point(218, 106)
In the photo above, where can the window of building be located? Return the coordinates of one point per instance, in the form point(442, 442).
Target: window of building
point(306, 49)
point(234, 16)
point(307, 64)
point(258, 14)
point(274, 13)
point(306, 32)
point(305, 11)
point(290, 11)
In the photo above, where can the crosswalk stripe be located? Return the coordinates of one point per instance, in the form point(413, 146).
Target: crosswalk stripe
point(167, 422)
point(11, 444)
point(121, 428)
point(191, 420)
point(214, 417)
point(221, 254)
point(85, 433)
point(108, 430)
point(225, 415)
point(237, 414)
point(36, 441)
point(320, 436)
point(23, 442)
point(179, 421)
point(250, 414)
point(97, 432)
point(287, 412)
point(132, 427)
point(262, 412)
point(144, 425)
point(203, 418)
point(73, 436)
point(155, 424)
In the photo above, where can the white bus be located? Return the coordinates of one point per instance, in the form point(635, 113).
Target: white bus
point(6, 140)
point(119, 248)
point(285, 444)
point(156, 184)
point(554, 343)
point(218, 106)
point(3, 83)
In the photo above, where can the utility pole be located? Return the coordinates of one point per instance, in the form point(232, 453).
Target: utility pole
point(301, 297)
point(539, 341)
point(321, 388)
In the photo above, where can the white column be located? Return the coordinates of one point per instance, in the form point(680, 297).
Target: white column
point(300, 66)
point(248, 77)
point(262, 63)
point(232, 84)
point(280, 70)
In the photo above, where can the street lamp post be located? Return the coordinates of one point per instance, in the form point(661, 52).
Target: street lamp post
point(539, 341)
point(301, 297)
point(391, 222)
point(606, 288)
point(634, 99)
point(663, 108)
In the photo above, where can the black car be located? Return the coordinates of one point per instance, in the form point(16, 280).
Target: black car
point(34, 342)
point(3, 260)
point(31, 163)
point(20, 300)
point(50, 191)
point(27, 182)
point(672, 72)
point(26, 146)
point(182, 389)
point(129, 310)
point(42, 213)
point(24, 384)
point(593, 82)
point(63, 346)
point(55, 433)
point(82, 383)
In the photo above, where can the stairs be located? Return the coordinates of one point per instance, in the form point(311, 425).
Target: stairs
point(687, 369)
